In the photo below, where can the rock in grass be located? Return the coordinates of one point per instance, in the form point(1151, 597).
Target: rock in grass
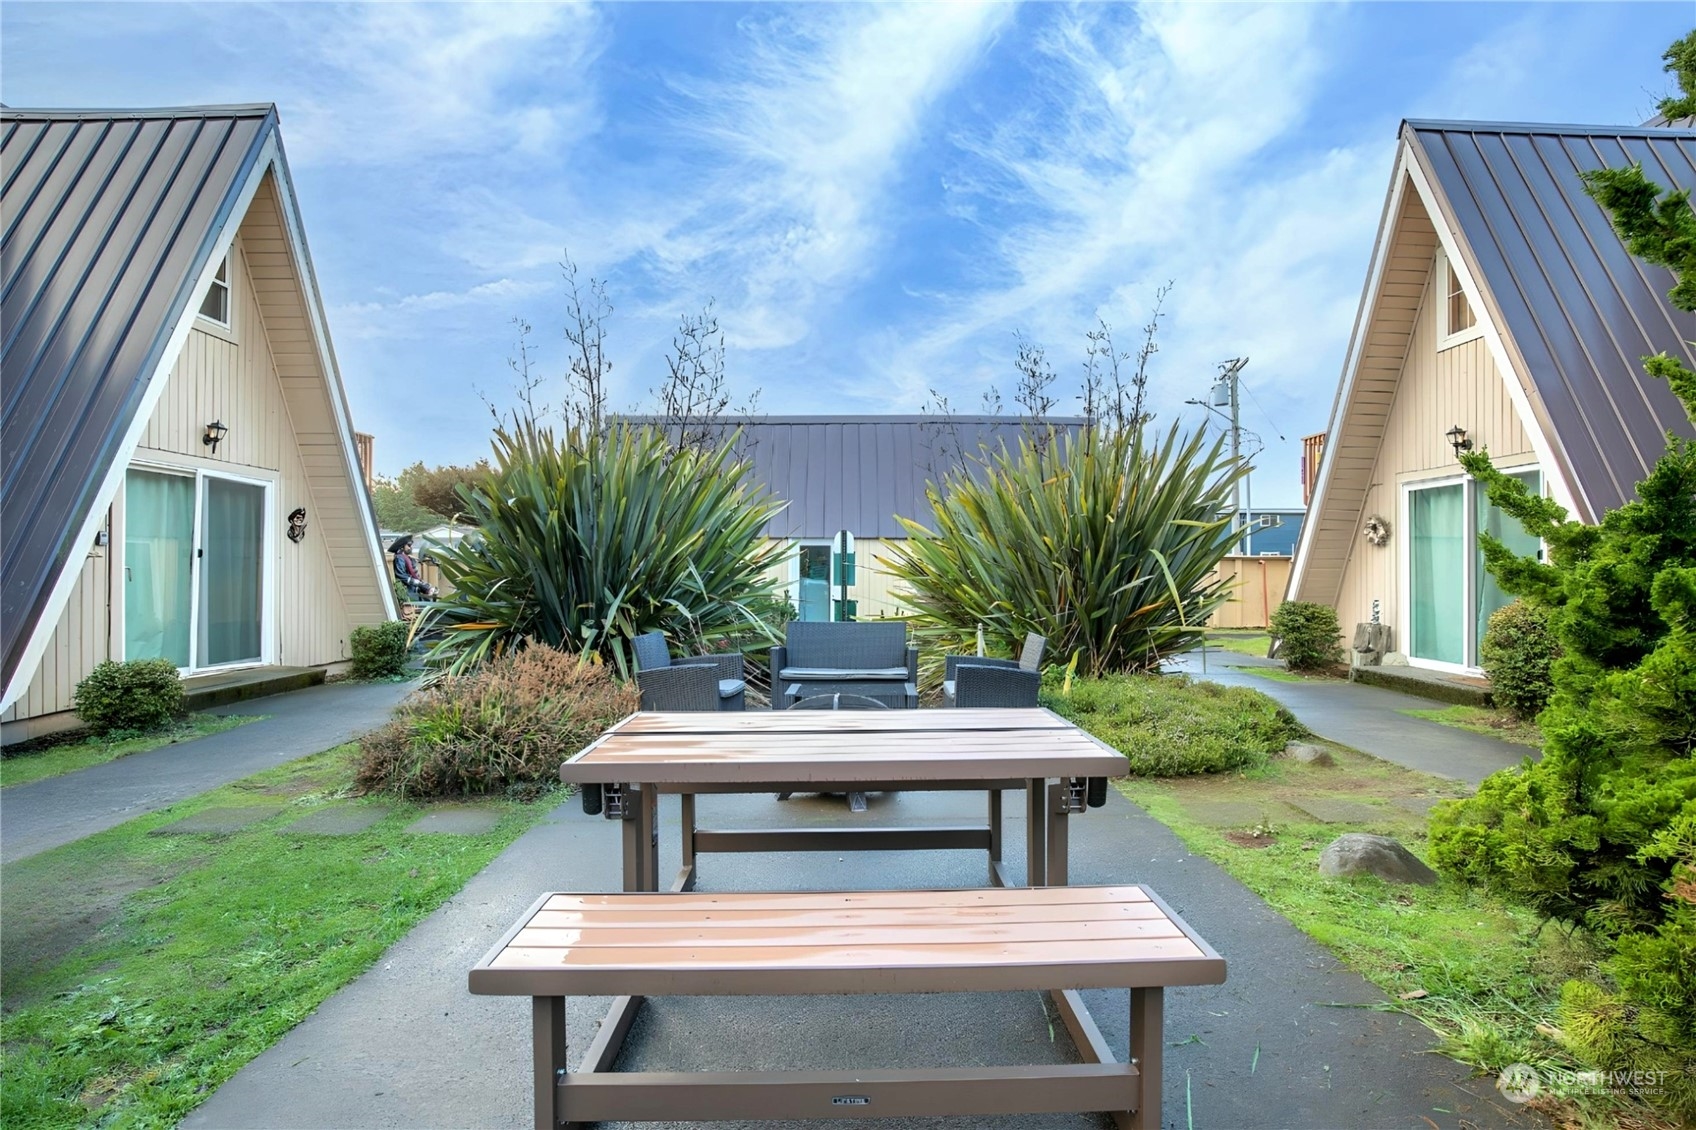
point(1357, 853)
point(1312, 754)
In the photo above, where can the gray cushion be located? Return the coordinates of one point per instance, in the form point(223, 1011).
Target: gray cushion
point(730, 688)
point(948, 688)
point(803, 674)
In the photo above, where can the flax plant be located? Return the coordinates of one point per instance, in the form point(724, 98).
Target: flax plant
point(1105, 543)
point(587, 540)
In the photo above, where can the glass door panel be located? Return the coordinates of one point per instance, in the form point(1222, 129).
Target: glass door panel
point(1437, 573)
point(158, 566)
point(231, 572)
point(1510, 533)
point(813, 602)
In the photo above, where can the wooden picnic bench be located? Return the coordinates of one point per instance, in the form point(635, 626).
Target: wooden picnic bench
point(1061, 939)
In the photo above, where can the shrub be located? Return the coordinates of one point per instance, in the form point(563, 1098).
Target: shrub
point(591, 540)
point(1171, 726)
point(141, 694)
point(379, 650)
point(1602, 831)
point(1518, 651)
point(1307, 635)
point(507, 726)
point(1103, 543)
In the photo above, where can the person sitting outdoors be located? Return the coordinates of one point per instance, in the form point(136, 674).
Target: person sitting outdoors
point(406, 570)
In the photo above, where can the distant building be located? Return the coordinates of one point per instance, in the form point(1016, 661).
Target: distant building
point(1271, 533)
point(857, 473)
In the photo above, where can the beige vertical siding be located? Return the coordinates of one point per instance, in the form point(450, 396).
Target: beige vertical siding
point(236, 382)
point(79, 642)
point(874, 586)
point(1438, 389)
point(1257, 588)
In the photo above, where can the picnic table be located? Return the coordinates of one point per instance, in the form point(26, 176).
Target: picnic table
point(1059, 767)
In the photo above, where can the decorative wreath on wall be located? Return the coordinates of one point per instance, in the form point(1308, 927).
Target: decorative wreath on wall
point(1376, 531)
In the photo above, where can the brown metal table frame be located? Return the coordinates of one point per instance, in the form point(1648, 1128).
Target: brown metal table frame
point(1049, 804)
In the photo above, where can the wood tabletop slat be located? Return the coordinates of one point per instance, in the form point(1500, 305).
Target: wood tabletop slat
point(939, 901)
point(862, 721)
point(740, 919)
point(941, 955)
point(762, 747)
point(837, 935)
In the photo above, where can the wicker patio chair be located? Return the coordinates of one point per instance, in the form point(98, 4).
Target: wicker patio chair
point(976, 680)
point(701, 682)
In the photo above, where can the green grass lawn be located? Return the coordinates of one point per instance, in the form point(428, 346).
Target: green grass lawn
point(1502, 724)
point(1484, 975)
point(80, 753)
point(141, 971)
point(1244, 643)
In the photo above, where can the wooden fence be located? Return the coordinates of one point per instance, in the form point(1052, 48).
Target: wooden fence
point(1257, 585)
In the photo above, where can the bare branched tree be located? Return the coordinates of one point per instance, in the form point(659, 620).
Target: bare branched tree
point(941, 432)
point(1112, 398)
point(1033, 392)
point(586, 317)
point(692, 398)
point(528, 381)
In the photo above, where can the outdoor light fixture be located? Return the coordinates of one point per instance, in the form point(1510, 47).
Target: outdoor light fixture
point(214, 432)
point(1458, 439)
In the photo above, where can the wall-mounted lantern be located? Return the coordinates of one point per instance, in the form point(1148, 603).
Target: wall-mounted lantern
point(215, 432)
point(1458, 439)
point(297, 524)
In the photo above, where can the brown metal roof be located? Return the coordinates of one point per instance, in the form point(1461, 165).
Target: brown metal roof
point(1578, 309)
point(109, 218)
point(857, 473)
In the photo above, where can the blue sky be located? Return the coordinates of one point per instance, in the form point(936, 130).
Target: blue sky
point(875, 197)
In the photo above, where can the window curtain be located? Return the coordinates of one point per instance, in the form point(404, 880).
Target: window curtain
point(158, 565)
point(1437, 573)
point(1510, 533)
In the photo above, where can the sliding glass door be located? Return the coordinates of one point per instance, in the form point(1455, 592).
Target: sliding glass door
point(194, 569)
point(1450, 593)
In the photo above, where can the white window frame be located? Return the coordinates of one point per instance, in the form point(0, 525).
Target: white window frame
point(1445, 339)
point(1470, 491)
point(267, 557)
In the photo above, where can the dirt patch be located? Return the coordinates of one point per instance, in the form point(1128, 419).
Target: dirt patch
point(39, 930)
point(1250, 840)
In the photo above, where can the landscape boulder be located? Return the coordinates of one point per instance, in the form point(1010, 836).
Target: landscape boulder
point(1357, 853)
point(1311, 754)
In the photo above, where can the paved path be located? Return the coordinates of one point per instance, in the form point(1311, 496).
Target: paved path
point(1366, 718)
point(58, 810)
point(1290, 1040)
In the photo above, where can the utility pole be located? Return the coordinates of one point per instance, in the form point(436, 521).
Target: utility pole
point(1226, 391)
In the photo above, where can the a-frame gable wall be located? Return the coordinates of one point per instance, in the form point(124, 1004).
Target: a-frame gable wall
point(1437, 389)
point(1383, 334)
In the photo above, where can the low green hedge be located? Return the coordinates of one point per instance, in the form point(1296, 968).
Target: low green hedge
point(1174, 726)
point(139, 695)
point(379, 650)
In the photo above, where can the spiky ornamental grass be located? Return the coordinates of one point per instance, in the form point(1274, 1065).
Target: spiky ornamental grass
point(1104, 543)
point(588, 540)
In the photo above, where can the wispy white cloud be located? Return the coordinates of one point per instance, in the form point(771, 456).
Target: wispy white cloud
point(1160, 151)
point(400, 316)
point(381, 82)
point(814, 124)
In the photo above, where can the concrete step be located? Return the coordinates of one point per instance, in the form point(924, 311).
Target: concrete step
point(1464, 690)
point(223, 687)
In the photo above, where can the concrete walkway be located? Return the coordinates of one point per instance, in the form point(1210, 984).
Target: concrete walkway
point(58, 810)
point(1292, 1039)
point(1366, 718)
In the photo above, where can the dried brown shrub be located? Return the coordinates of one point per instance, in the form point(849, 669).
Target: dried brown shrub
point(505, 727)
